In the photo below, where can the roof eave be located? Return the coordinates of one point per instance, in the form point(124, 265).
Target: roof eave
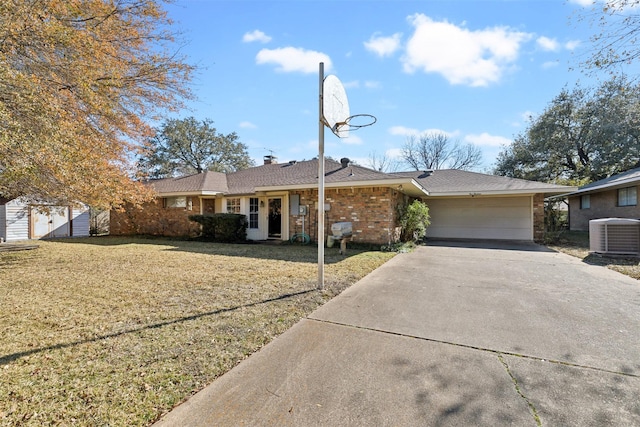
point(605, 187)
point(413, 187)
point(189, 193)
point(522, 192)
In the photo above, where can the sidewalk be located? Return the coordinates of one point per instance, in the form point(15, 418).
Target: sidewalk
point(438, 338)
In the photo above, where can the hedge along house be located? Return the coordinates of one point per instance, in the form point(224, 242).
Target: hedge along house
point(20, 220)
point(280, 201)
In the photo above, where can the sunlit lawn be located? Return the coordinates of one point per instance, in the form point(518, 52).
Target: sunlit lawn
point(113, 331)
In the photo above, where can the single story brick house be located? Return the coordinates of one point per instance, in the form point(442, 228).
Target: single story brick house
point(613, 197)
point(280, 200)
point(22, 220)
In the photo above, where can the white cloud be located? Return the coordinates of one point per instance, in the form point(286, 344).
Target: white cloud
point(405, 131)
point(572, 44)
point(462, 56)
point(394, 153)
point(583, 3)
point(247, 125)
point(550, 64)
point(383, 46)
point(256, 36)
point(351, 140)
point(371, 84)
point(294, 59)
point(548, 44)
point(486, 140)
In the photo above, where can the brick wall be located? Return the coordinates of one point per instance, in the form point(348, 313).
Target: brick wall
point(603, 205)
point(538, 218)
point(154, 219)
point(372, 212)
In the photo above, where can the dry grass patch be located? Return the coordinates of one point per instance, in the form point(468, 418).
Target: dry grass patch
point(111, 331)
point(576, 243)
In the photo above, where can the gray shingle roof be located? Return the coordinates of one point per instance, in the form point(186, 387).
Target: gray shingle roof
point(453, 181)
point(297, 174)
point(304, 174)
point(205, 182)
point(620, 180)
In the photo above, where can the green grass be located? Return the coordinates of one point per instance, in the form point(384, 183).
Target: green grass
point(114, 331)
point(576, 243)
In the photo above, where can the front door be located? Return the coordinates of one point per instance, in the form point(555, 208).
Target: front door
point(275, 218)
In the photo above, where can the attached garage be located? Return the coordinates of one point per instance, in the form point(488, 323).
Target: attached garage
point(501, 218)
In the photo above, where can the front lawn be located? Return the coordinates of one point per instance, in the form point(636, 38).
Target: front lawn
point(115, 331)
point(576, 243)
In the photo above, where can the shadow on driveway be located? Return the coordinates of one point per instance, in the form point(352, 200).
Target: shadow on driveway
point(507, 245)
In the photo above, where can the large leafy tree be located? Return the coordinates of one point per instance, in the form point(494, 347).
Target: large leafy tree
point(78, 81)
point(187, 146)
point(437, 151)
point(582, 136)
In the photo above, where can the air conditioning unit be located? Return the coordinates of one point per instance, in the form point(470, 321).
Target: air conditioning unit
point(618, 236)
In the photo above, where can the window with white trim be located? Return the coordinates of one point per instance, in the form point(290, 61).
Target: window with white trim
point(253, 212)
point(585, 201)
point(627, 196)
point(233, 205)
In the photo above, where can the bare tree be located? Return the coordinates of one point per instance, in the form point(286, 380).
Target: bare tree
point(437, 151)
point(615, 43)
point(381, 162)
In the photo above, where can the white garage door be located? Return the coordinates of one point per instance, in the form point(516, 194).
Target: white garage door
point(505, 218)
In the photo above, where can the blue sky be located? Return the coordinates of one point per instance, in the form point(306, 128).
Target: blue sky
point(472, 69)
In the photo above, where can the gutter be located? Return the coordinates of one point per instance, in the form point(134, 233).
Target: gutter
point(410, 182)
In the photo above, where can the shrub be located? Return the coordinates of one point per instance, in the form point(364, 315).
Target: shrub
point(556, 221)
point(222, 227)
point(414, 220)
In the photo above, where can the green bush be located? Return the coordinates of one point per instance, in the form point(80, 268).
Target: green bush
point(414, 220)
point(223, 227)
point(556, 220)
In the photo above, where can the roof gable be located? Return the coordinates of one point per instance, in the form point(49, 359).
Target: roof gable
point(201, 183)
point(460, 182)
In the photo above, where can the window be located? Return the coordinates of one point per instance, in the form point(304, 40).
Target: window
point(253, 212)
point(585, 201)
point(627, 196)
point(175, 202)
point(233, 205)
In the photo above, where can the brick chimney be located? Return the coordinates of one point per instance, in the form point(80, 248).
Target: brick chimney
point(270, 159)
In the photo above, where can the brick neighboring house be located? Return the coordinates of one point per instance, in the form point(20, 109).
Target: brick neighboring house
point(280, 200)
point(613, 197)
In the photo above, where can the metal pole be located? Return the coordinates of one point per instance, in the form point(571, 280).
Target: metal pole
point(321, 182)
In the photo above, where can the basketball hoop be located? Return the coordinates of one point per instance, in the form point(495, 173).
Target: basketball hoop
point(355, 122)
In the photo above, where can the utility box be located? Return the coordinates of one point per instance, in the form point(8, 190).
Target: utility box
point(340, 230)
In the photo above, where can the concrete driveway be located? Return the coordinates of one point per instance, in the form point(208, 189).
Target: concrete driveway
point(449, 335)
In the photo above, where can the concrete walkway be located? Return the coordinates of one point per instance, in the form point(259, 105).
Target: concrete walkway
point(448, 335)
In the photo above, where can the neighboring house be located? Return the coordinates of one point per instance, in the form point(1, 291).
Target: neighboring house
point(613, 197)
point(20, 220)
point(280, 200)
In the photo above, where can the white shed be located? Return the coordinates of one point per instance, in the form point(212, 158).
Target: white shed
point(22, 221)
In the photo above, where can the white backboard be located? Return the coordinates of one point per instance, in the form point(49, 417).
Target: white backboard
point(335, 106)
